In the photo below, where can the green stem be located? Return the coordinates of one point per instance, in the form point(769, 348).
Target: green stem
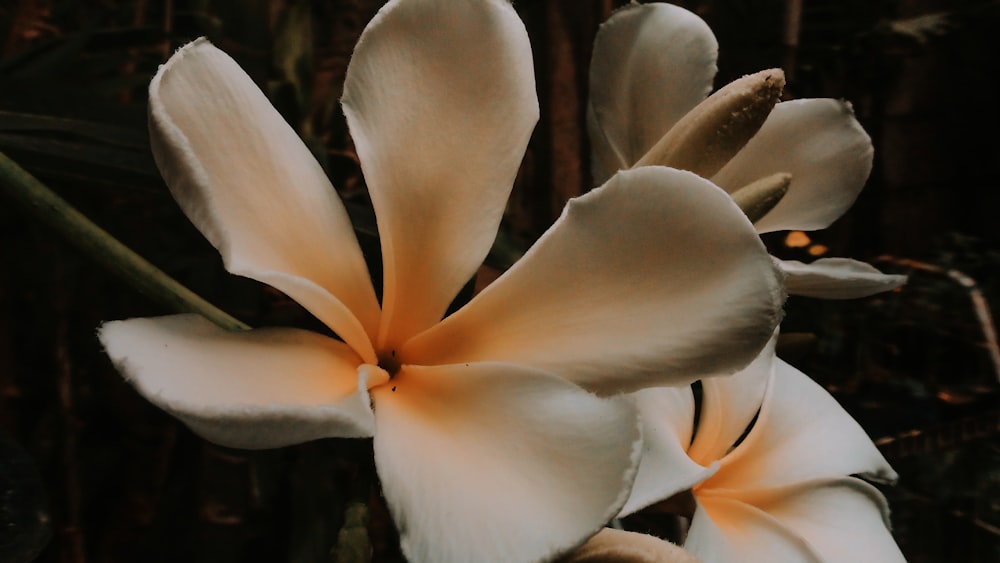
point(133, 269)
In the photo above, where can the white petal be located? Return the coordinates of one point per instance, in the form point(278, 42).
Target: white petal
point(726, 530)
point(836, 278)
point(802, 434)
point(620, 546)
point(651, 64)
point(251, 186)
point(495, 462)
point(440, 100)
point(843, 519)
point(263, 388)
point(823, 147)
point(729, 404)
point(656, 278)
point(667, 417)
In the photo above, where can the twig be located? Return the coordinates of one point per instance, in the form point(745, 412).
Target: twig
point(135, 270)
point(940, 438)
point(790, 37)
point(73, 531)
point(979, 305)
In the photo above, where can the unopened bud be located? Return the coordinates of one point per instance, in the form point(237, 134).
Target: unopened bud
point(758, 198)
point(705, 139)
point(620, 546)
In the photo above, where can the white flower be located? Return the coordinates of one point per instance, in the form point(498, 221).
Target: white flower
point(651, 72)
point(491, 443)
point(786, 491)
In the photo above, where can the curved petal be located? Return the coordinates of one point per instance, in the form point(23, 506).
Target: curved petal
point(802, 434)
point(723, 529)
point(262, 388)
point(823, 147)
point(251, 186)
point(841, 518)
point(496, 462)
point(651, 64)
point(441, 121)
point(729, 404)
point(836, 278)
point(620, 546)
point(656, 278)
point(667, 418)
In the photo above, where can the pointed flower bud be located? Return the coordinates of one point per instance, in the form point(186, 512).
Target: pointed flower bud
point(759, 197)
point(717, 128)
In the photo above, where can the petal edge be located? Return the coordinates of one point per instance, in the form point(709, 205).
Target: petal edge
point(255, 389)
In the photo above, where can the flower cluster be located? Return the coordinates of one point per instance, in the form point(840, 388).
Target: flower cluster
point(767, 470)
point(558, 398)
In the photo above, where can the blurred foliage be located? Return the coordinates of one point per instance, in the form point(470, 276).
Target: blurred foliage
point(108, 477)
point(913, 368)
point(25, 524)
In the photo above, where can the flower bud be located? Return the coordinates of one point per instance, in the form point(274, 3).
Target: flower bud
point(759, 197)
point(705, 139)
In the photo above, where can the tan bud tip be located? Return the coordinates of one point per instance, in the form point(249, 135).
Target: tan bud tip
point(705, 139)
point(619, 546)
point(759, 197)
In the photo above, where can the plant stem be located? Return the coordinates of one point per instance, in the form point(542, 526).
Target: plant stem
point(136, 271)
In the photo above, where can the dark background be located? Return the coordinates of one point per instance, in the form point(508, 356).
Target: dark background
point(89, 471)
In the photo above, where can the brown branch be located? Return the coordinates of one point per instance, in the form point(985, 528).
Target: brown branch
point(979, 305)
point(73, 530)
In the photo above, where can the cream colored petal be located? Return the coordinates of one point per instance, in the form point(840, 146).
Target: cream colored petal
point(667, 417)
point(729, 404)
point(496, 462)
point(844, 519)
point(802, 434)
point(262, 388)
point(440, 100)
point(836, 278)
point(251, 186)
point(620, 546)
point(823, 147)
point(651, 64)
point(725, 530)
point(656, 278)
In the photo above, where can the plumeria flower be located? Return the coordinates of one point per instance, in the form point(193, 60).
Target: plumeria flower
point(767, 471)
point(499, 432)
point(650, 79)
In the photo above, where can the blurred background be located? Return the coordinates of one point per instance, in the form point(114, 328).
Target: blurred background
point(89, 471)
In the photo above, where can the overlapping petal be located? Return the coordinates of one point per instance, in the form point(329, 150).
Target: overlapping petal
point(729, 405)
point(784, 493)
point(651, 64)
point(672, 462)
point(263, 388)
point(836, 278)
point(844, 519)
point(496, 462)
point(802, 434)
point(823, 147)
point(619, 294)
point(667, 416)
point(247, 181)
point(440, 100)
point(724, 529)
